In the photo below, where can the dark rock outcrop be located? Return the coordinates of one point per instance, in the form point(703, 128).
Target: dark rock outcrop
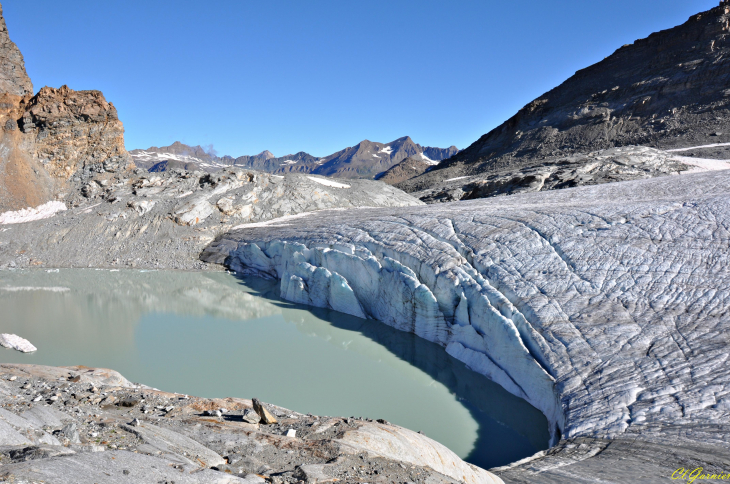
point(668, 90)
point(405, 170)
point(55, 140)
point(595, 168)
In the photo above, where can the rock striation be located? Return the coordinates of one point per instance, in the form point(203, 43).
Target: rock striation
point(603, 306)
point(666, 91)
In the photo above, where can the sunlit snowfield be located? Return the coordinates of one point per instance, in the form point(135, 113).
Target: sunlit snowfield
point(213, 335)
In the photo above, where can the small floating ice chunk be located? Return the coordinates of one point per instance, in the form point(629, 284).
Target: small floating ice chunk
point(16, 342)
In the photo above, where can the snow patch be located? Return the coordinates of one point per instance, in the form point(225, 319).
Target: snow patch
point(702, 164)
point(329, 183)
point(428, 160)
point(457, 178)
point(713, 145)
point(276, 222)
point(46, 210)
point(386, 149)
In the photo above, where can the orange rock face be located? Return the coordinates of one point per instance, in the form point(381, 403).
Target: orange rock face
point(74, 134)
point(54, 140)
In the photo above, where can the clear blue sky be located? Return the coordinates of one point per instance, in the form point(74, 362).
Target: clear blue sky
point(318, 76)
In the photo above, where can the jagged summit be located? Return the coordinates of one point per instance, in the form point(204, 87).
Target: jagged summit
point(266, 154)
point(669, 90)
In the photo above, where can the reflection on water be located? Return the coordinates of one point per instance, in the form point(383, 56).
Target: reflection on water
point(212, 335)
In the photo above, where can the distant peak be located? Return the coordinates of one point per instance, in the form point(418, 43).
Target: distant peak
point(266, 154)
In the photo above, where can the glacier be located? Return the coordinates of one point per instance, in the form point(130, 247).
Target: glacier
point(606, 307)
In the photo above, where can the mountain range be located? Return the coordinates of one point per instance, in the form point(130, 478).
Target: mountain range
point(366, 159)
point(667, 91)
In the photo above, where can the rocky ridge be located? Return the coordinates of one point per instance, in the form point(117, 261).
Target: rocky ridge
point(605, 166)
point(406, 169)
point(665, 91)
point(364, 160)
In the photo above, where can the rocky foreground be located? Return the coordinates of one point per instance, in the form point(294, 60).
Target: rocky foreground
point(82, 425)
point(605, 307)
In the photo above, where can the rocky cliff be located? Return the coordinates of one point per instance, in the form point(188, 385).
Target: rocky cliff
point(54, 141)
point(668, 90)
point(13, 78)
point(51, 142)
point(74, 134)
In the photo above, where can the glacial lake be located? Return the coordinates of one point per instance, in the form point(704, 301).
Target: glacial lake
point(216, 335)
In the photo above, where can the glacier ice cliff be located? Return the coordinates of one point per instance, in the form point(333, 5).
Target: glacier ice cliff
point(606, 307)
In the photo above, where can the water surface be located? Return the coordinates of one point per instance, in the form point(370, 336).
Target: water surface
point(213, 335)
